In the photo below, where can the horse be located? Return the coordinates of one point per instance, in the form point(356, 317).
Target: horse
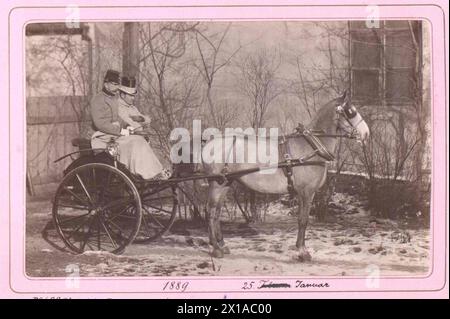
point(334, 117)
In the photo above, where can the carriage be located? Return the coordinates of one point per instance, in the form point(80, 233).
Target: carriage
point(99, 205)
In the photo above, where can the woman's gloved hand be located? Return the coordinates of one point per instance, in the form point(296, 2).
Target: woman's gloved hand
point(126, 131)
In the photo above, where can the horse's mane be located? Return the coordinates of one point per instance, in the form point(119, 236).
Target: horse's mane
point(325, 116)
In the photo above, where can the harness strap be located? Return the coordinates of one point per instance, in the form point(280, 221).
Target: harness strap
point(225, 168)
point(317, 146)
point(287, 170)
point(318, 149)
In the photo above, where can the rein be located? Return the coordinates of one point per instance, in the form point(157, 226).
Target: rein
point(317, 133)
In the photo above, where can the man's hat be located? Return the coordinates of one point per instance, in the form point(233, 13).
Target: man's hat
point(112, 76)
point(128, 85)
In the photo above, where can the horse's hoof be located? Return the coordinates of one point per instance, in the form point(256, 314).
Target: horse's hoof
point(217, 253)
point(226, 250)
point(304, 257)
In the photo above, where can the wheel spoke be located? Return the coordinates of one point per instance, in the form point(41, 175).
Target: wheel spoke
point(110, 222)
point(84, 188)
point(114, 215)
point(160, 209)
point(118, 201)
point(74, 231)
point(74, 207)
point(89, 245)
point(156, 220)
point(109, 235)
point(86, 237)
point(157, 198)
point(72, 218)
point(144, 219)
point(129, 191)
point(120, 214)
point(105, 187)
point(75, 195)
point(120, 231)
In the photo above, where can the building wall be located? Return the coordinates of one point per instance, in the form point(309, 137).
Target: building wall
point(52, 122)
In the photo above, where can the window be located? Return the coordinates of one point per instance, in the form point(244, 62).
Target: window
point(383, 61)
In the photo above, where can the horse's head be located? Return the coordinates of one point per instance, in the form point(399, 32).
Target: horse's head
point(348, 118)
point(340, 115)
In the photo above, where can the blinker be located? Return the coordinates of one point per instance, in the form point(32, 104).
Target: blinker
point(350, 112)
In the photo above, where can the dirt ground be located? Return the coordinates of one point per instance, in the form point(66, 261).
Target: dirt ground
point(349, 243)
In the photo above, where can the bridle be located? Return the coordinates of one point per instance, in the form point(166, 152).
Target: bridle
point(346, 111)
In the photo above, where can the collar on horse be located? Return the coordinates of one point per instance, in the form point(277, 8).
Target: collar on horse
point(312, 137)
point(316, 144)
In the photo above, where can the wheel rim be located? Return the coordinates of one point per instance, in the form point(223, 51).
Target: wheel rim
point(158, 214)
point(97, 207)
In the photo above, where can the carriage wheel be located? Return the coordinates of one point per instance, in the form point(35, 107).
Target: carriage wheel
point(159, 208)
point(97, 207)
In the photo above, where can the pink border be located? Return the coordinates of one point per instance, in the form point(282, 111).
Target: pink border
point(15, 284)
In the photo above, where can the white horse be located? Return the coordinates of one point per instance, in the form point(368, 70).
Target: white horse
point(332, 118)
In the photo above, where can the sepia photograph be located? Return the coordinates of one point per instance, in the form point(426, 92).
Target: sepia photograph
point(228, 148)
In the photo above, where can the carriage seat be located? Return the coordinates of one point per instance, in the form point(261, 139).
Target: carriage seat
point(81, 143)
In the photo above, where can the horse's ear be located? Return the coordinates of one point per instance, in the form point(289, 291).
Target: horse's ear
point(346, 94)
point(345, 97)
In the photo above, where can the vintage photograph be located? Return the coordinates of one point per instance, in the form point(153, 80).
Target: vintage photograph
point(234, 148)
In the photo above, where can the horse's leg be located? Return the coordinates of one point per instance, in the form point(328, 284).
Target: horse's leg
point(219, 234)
point(215, 198)
point(304, 206)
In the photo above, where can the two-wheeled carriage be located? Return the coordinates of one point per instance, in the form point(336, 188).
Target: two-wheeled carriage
point(100, 205)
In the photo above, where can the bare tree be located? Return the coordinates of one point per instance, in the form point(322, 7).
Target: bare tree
point(169, 87)
point(317, 80)
point(259, 84)
point(211, 61)
point(67, 54)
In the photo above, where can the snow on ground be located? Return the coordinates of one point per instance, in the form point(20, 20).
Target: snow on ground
point(344, 246)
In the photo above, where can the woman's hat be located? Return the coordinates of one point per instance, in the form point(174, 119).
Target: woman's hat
point(128, 85)
point(112, 76)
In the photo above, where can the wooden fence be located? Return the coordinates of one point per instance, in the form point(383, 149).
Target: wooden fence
point(52, 122)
